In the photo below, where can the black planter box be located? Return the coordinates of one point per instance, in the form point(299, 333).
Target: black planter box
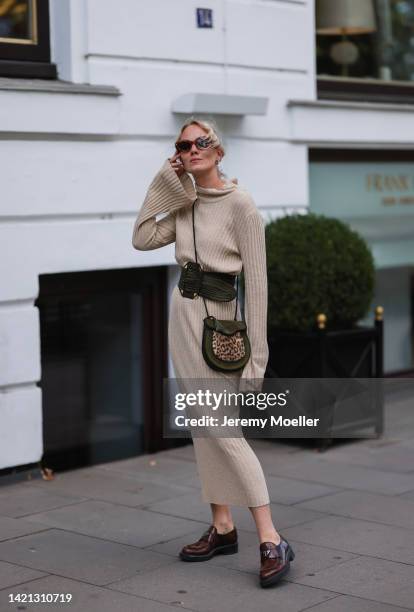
point(350, 353)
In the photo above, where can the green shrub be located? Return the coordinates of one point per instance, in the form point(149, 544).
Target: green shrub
point(315, 265)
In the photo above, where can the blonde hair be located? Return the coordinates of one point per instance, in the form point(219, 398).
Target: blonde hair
point(212, 132)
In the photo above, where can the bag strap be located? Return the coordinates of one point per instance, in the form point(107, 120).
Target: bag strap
point(237, 278)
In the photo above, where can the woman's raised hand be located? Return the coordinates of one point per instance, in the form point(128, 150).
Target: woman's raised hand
point(177, 164)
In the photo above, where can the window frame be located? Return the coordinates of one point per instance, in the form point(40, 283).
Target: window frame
point(30, 60)
point(359, 89)
point(356, 89)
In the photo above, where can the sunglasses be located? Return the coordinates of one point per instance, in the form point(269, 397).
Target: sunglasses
point(183, 146)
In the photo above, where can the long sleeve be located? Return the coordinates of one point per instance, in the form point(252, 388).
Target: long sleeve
point(166, 194)
point(252, 247)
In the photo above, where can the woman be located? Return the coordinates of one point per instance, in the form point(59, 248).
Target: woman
point(229, 237)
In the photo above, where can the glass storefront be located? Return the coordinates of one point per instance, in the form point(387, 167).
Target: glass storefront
point(371, 39)
point(375, 197)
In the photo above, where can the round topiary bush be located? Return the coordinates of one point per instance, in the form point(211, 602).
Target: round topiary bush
point(316, 264)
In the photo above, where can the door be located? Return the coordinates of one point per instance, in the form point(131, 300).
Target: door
point(103, 357)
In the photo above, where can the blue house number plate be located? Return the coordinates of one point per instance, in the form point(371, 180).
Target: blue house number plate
point(204, 18)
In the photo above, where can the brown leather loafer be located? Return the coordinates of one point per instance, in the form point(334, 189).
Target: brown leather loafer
point(211, 543)
point(274, 561)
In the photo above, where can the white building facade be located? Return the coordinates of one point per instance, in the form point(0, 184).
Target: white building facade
point(77, 154)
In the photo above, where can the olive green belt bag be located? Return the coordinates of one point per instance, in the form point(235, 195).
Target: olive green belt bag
point(213, 285)
point(225, 343)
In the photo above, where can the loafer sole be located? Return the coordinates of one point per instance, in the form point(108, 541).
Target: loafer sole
point(228, 549)
point(271, 580)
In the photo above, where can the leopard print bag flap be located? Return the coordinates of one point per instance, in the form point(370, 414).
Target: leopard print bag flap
point(226, 346)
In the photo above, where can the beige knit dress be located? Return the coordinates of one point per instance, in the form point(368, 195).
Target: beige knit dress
point(229, 235)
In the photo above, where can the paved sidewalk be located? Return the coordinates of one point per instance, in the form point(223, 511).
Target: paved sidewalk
point(109, 535)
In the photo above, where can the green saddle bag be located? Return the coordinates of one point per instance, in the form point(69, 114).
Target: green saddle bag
point(225, 344)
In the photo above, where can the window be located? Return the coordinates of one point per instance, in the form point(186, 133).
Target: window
point(102, 392)
point(365, 48)
point(24, 39)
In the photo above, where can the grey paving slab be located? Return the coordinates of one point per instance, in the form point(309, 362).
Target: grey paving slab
point(192, 507)
point(154, 463)
point(106, 486)
point(408, 496)
point(22, 499)
point(155, 469)
point(317, 469)
point(182, 452)
point(80, 557)
point(149, 460)
point(288, 491)
point(85, 598)
point(392, 458)
point(13, 574)
point(357, 537)
point(117, 523)
point(376, 579)
point(369, 506)
point(346, 603)
point(12, 528)
point(309, 558)
point(409, 443)
point(274, 447)
point(261, 447)
point(398, 423)
point(271, 458)
point(208, 588)
point(381, 442)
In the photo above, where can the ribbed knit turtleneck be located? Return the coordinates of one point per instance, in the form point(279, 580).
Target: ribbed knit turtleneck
point(229, 236)
point(213, 194)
